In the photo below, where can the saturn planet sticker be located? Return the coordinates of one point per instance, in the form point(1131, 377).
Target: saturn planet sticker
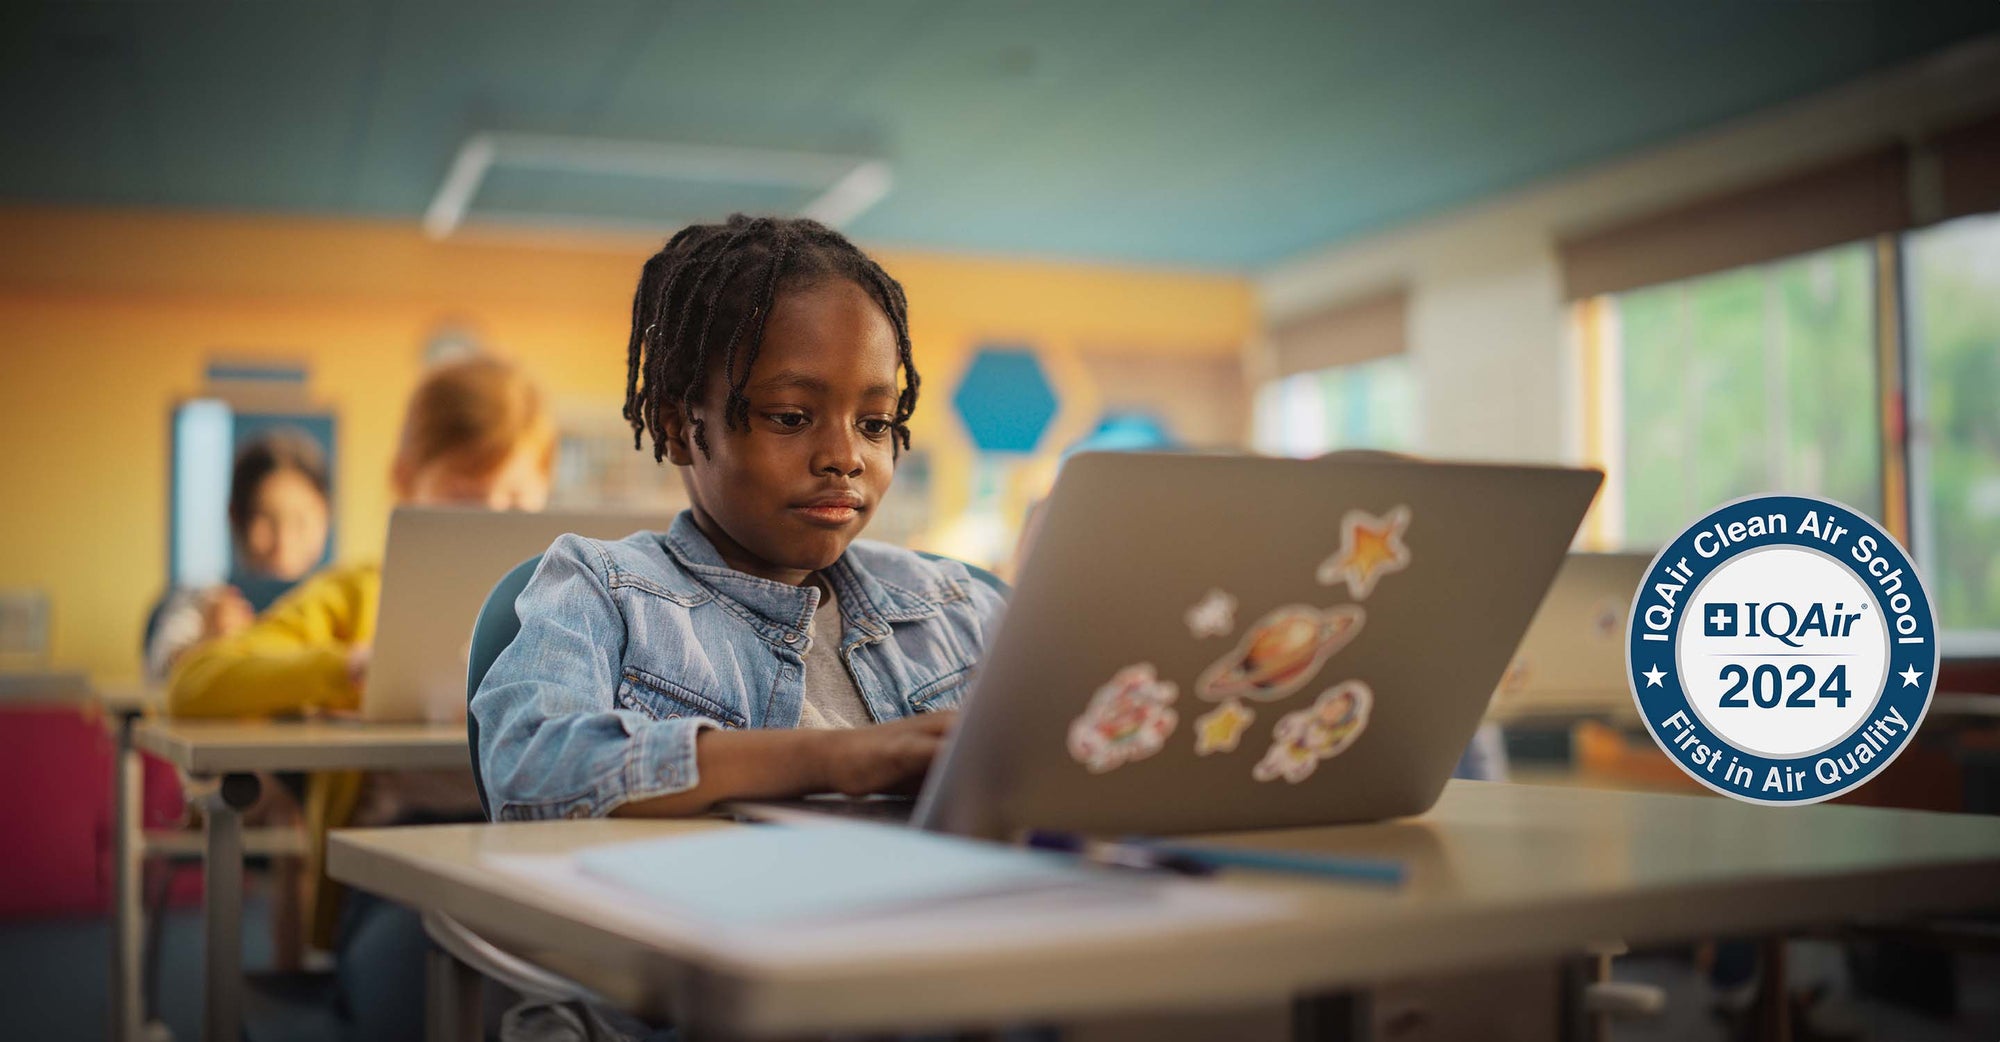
point(1281, 652)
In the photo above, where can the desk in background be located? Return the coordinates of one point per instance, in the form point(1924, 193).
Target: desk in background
point(221, 758)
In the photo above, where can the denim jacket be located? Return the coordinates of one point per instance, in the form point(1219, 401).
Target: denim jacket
point(628, 649)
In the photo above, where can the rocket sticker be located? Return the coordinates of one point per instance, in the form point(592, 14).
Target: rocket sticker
point(1127, 720)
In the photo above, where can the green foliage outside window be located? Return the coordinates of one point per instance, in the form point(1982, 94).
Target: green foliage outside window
point(1756, 380)
point(1953, 293)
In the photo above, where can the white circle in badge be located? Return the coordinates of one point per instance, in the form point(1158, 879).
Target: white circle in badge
point(1782, 676)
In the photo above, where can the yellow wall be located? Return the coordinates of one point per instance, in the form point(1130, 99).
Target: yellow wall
point(107, 319)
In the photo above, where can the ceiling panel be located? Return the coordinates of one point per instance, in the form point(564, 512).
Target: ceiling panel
point(1220, 135)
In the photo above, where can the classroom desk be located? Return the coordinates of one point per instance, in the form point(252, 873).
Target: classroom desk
point(1499, 874)
point(123, 707)
point(220, 757)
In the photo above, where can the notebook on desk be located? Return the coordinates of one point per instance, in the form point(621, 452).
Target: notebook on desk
point(781, 873)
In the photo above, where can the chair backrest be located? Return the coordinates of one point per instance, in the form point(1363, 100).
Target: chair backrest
point(495, 628)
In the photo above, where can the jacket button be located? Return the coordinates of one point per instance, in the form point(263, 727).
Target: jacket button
point(791, 638)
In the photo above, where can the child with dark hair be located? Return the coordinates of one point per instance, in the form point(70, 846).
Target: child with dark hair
point(278, 521)
point(754, 648)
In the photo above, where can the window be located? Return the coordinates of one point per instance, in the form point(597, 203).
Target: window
point(1372, 405)
point(1952, 296)
point(1768, 378)
point(1760, 379)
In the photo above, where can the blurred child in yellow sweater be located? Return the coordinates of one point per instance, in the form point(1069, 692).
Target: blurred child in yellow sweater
point(476, 433)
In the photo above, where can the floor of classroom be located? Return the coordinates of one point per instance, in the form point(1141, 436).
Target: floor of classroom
point(55, 979)
point(54, 986)
point(1691, 1012)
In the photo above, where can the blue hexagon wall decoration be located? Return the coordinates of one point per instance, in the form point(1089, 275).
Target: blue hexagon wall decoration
point(1005, 399)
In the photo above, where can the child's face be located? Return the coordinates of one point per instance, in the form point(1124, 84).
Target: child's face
point(286, 531)
point(784, 497)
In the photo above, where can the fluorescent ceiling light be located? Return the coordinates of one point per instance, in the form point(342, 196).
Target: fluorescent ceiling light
point(848, 185)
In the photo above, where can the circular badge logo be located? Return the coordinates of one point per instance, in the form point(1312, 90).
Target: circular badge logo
point(1782, 649)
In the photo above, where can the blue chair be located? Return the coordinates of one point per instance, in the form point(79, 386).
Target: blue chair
point(494, 629)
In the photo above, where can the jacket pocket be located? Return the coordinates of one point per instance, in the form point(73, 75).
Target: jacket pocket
point(943, 693)
point(662, 699)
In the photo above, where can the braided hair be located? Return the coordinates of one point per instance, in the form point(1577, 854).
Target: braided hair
point(704, 299)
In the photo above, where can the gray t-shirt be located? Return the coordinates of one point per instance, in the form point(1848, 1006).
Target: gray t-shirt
point(832, 700)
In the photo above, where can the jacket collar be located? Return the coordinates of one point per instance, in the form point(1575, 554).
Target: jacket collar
point(778, 610)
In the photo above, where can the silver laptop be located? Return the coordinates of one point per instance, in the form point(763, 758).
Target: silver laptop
point(1572, 662)
point(1207, 643)
point(440, 565)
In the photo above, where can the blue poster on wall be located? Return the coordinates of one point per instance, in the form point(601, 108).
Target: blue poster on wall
point(246, 403)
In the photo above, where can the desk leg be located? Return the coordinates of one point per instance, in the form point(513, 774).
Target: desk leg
point(128, 1004)
point(222, 905)
point(1343, 1016)
point(1774, 998)
point(454, 994)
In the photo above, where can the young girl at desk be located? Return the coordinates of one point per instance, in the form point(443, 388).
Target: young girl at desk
point(754, 648)
point(278, 505)
point(475, 434)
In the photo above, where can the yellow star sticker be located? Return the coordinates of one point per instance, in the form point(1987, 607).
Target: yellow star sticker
point(1218, 730)
point(1370, 547)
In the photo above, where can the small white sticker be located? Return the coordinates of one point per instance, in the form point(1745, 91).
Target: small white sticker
point(1212, 616)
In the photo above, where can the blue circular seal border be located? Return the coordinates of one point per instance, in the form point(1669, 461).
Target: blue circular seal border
point(1657, 705)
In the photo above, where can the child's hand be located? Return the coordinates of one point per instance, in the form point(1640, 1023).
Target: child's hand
point(225, 611)
point(889, 757)
point(358, 661)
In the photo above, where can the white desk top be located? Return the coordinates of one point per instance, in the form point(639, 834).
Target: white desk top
point(1499, 872)
point(43, 688)
point(133, 698)
point(226, 746)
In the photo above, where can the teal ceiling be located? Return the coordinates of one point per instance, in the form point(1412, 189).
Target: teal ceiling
point(1218, 135)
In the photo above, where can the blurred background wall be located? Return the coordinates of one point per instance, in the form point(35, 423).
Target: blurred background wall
point(111, 319)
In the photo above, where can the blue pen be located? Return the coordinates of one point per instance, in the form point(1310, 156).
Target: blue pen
point(1202, 860)
point(1363, 870)
point(1114, 855)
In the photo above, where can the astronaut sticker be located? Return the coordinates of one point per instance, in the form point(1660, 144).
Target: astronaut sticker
point(1128, 719)
point(1280, 653)
point(1219, 729)
point(1319, 732)
point(1370, 547)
